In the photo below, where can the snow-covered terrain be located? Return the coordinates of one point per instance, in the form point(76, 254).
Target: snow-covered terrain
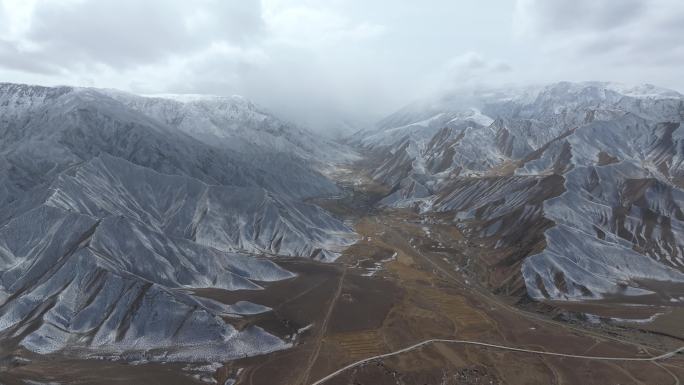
point(116, 208)
point(226, 218)
point(235, 123)
point(113, 207)
point(47, 130)
point(602, 163)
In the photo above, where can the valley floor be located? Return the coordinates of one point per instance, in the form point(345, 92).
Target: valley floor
point(406, 281)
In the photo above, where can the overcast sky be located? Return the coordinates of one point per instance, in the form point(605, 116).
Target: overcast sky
point(321, 61)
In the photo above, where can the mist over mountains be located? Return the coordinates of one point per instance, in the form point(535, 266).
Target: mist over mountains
point(300, 192)
point(601, 163)
point(123, 217)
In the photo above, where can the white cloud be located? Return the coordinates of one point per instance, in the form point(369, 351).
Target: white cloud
point(626, 31)
point(127, 33)
point(204, 46)
point(471, 69)
point(314, 25)
point(318, 60)
point(633, 41)
point(472, 62)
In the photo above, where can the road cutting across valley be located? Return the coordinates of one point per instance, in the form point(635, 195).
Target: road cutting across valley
point(495, 346)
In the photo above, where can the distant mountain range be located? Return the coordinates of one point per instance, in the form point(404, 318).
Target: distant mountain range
point(578, 188)
point(114, 207)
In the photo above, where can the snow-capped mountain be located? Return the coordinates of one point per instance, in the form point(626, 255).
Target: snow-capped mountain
point(226, 218)
point(595, 170)
point(235, 123)
point(113, 206)
point(46, 130)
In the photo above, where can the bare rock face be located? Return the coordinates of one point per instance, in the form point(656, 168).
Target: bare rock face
point(601, 163)
point(112, 211)
point(77, 287)
point(226, 218)
point(47, 130)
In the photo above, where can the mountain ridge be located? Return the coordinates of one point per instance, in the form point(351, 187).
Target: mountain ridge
point(434, 164)
point(110, 217)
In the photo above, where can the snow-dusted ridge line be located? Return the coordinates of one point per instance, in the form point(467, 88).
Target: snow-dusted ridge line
point(112, 214)
point(230, 219)
point(188, 98)
point(234, 122)
point(218, 142)
point(619, 222)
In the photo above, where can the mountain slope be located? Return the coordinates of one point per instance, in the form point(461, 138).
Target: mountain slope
point(223, 217)
point(609, 158)
point(234, 123)
point(69, 282)
point(111, 215)
point(48, 130)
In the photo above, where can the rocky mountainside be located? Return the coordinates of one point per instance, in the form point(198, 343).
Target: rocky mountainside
point(114, 207)
point(46, 130)
point(237, 124)
point(578, 187)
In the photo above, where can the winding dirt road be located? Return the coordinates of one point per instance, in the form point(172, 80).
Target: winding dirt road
point(501, 347)
point(324, 327)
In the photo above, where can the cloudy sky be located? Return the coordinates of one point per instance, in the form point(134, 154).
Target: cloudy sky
point(319, 62)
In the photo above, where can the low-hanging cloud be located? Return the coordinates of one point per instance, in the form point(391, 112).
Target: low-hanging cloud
point(602, 36)
point(330, 63)
point(256, 48)
point(125, 34)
